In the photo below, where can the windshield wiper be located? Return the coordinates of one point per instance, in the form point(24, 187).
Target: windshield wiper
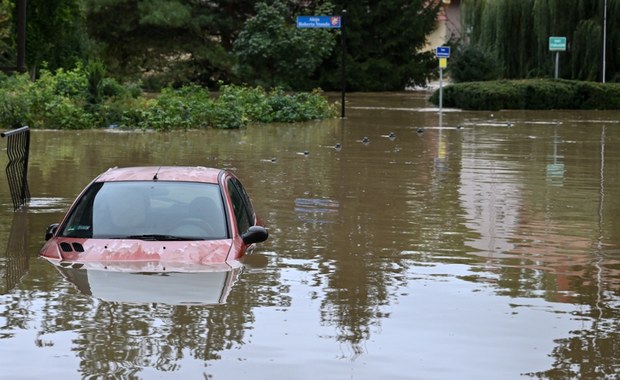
point(160, 237)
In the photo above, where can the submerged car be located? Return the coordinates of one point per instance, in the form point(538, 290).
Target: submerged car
point(154, 219)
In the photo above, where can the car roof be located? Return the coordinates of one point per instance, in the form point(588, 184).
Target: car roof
point(161, 173)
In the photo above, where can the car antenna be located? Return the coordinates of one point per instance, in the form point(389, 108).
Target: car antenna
point(155, 176)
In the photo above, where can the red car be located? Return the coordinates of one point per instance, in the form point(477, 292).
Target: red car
point(155, 219)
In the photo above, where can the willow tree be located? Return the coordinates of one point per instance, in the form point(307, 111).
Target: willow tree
point(517, 33)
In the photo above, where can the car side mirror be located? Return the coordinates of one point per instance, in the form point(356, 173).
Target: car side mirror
point(50, 231)
point(255, 234)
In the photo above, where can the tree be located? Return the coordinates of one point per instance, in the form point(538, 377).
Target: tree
point(272, 52)
point(168, 42)
point(384, 40)
point(55, 34)
point(7, 48)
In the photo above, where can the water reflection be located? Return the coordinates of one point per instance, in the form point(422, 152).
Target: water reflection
point(16, 259)
point(201, 288)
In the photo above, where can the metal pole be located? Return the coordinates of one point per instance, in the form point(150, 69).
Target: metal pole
point(344, 71)
point(440, 91)
point(557, 63)
point(604, 39)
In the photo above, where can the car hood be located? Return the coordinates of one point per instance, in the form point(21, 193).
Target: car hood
point(164, 254)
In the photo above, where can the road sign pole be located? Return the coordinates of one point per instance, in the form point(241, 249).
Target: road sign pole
point(440, 90)
point(330, 22)
point(557, 44)
point(604, 41)
point(343, 57)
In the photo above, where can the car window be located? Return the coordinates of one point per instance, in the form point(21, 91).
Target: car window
point(246, 199)
point(240, 207)
point(80, 221)
point(120, 209)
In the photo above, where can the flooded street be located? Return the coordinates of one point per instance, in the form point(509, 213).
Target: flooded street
point(484, 246)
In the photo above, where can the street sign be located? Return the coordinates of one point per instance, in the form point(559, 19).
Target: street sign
point(443, 63)
point(329, 22)
point(442, 52)
point(557, 43)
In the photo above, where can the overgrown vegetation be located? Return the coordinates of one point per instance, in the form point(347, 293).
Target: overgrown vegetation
point(530, 94)
point(84, 98)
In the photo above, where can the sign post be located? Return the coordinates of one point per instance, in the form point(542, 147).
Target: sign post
point(557, 44)
point(329, 22)
point(443, 53)
point(603, 53)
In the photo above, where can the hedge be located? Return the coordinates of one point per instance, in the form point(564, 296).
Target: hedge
point(534, 94)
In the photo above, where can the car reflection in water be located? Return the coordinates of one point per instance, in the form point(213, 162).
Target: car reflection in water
point(211, 286)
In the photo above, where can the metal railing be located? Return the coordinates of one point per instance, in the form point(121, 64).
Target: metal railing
point(18, 150)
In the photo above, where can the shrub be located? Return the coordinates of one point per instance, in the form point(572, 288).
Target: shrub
point(472, 64)
point(530, 94)
point(84, 98)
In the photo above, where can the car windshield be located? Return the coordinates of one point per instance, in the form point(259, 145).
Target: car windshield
point(149, 210)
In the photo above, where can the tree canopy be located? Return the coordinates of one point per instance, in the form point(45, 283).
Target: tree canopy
point(272, 52)
point(173, 42)
point(383, 44)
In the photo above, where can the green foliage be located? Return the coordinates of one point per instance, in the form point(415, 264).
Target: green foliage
point(472, 64)
point(187, 107)
point(7, 50)
point(15, 107)
point(239, 105)
point(272, 52)
point(517, 34)
point(81, 98)
point(530, 94)
point(56, 34)
point(258, 105)
point(170, 43)
point(584, 65)
point(95, 73)
point(165, 42)
point(384, 40)
point(174, 42)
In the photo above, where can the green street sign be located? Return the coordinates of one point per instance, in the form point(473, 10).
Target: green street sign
point(557, 43)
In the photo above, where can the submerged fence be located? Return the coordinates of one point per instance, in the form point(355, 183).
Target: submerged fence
point(18, 150)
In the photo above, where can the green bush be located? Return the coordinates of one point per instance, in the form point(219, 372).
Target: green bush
point(471, 64)
point(530, 94)
point(84, 98)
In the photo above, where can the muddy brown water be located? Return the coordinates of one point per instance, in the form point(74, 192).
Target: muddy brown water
point(478, 245)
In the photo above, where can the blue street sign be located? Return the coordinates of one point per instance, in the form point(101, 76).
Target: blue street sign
point(331, 22)
point(442, 52)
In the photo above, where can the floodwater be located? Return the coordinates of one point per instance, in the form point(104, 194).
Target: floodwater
point(484, 246)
